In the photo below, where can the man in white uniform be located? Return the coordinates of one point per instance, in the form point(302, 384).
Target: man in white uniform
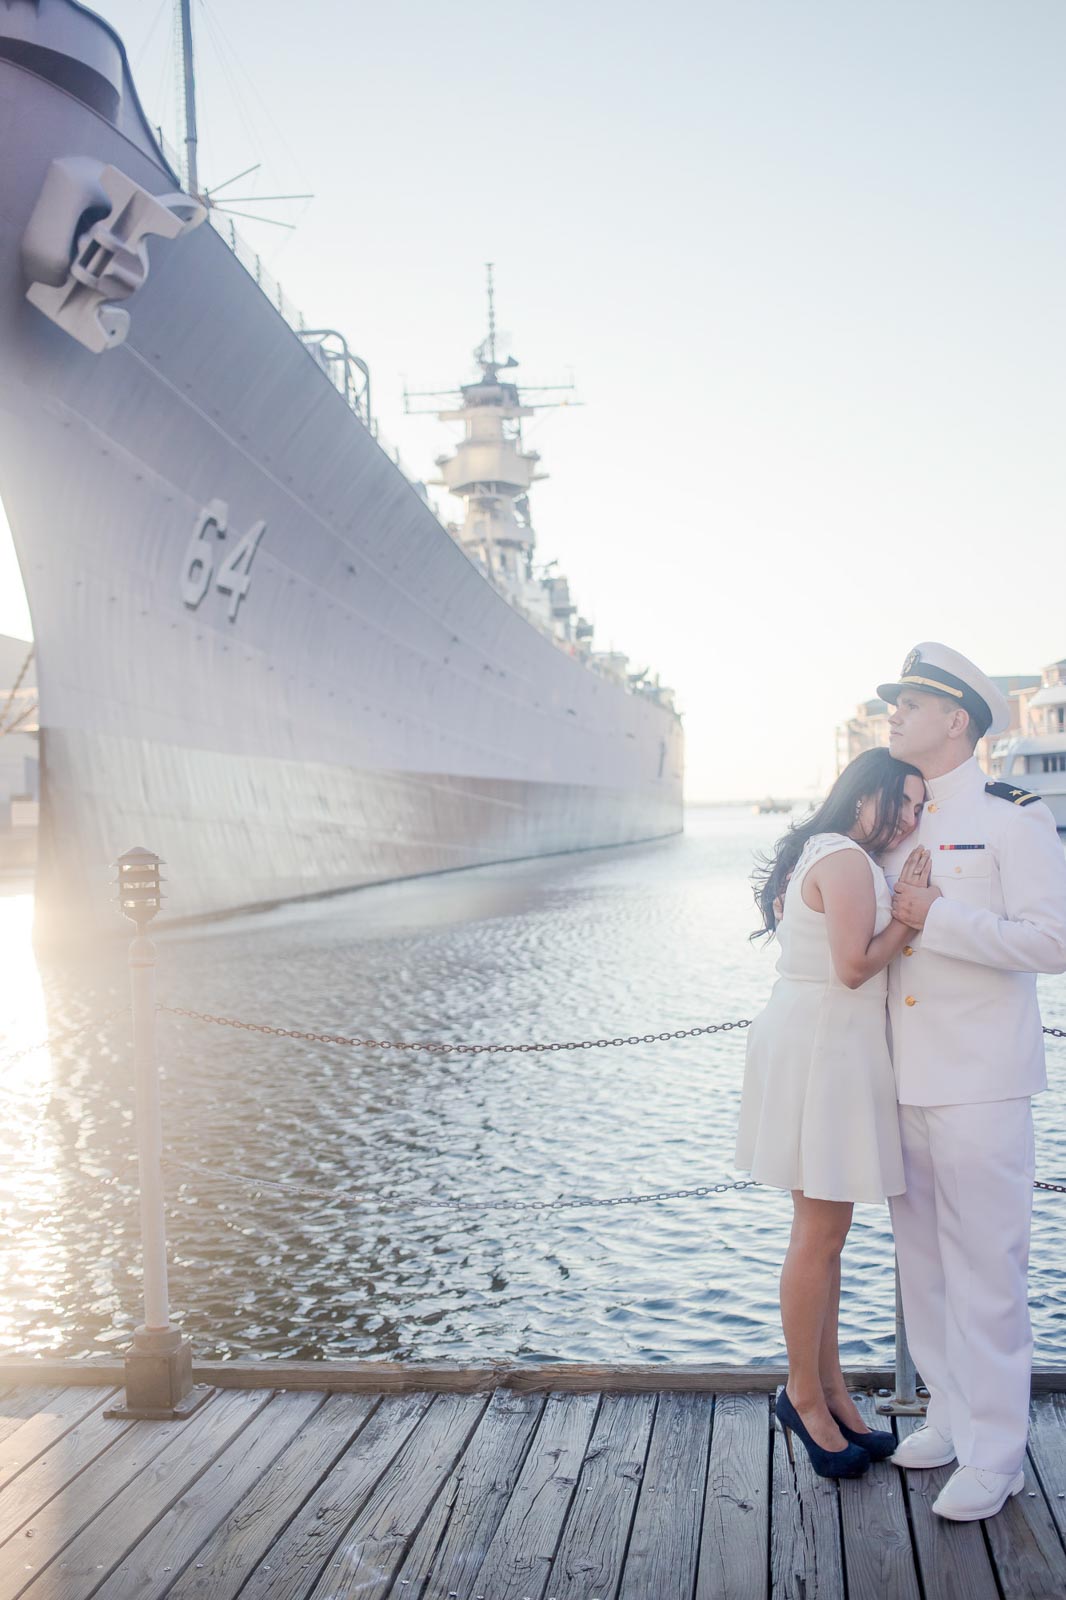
point(967, 1047)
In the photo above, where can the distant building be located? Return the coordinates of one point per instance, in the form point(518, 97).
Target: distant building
point(868, 728)
point(1041, 704)
point(1015, 687)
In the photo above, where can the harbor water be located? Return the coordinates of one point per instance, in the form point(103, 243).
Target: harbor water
point(328, 1201)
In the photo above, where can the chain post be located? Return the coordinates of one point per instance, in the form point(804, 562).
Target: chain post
point(905, 1402)
point(158, 1366)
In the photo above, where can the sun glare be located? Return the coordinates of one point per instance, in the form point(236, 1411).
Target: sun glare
point(22, 1013)
point(31, 1266)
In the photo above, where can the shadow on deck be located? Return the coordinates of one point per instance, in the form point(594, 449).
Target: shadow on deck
point(505, 1494)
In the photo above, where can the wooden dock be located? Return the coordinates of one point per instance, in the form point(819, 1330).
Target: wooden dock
point(502, 1491)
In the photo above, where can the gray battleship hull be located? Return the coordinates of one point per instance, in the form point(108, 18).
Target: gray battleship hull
point(373, 707)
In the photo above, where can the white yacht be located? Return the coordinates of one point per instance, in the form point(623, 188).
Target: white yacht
point(1034, 756)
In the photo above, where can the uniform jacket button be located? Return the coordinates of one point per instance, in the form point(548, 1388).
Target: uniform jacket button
point(908, 949)
point(911, 1000)
point(932, 806)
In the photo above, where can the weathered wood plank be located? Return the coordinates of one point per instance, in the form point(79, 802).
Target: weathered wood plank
point(952, 1556)
point(591, 1554)
point(167, 1548)
point(1025, 1545)
point(50, 1474)
point(451, 1543)
point(806, 1559)
point(21, 1403)
point(1047, 1448)
point(521, 1551)
point(298, 1497)
point(291, 1567)
point(365, 1561)
point(56, 1417)
point(90, 1548)
point(664, 1544)
point(243, 1540)
point(879, 1558)
point(60, 1372)
point(406, 1377)
point(736, 1507)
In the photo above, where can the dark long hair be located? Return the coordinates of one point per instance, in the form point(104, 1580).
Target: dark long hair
point(873, 774)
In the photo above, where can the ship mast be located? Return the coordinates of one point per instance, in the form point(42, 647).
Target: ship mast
point(192, 176)
point(492, 314)
point(490, 470)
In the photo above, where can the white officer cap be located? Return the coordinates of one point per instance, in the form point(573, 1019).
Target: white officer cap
point(935, 669)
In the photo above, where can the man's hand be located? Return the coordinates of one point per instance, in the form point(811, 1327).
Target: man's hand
point(910, 904)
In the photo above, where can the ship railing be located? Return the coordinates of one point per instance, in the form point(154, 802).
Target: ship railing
point(337, 373)
point(140, 900)
point(252, 262)
point(249, 259)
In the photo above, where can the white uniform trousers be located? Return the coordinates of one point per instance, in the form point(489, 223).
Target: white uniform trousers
point(962, 1241)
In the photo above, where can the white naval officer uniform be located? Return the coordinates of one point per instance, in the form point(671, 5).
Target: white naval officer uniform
point(968, 1052)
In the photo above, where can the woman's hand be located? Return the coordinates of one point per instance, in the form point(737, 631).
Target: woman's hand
point(916, 869)
point(912, 896)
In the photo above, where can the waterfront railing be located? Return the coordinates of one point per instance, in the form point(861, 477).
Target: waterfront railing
point(158, 1367)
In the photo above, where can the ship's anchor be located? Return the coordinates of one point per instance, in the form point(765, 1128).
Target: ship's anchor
point(86, 246)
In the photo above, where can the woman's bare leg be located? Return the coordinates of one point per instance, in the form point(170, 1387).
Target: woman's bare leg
point(810, 1271)
point(834, 1387)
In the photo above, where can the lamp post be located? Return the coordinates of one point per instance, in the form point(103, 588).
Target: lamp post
point(158, 1365)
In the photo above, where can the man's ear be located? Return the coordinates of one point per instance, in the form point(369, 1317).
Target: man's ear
point(959, 726)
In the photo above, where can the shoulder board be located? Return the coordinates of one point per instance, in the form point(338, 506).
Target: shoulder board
point(1006, 791)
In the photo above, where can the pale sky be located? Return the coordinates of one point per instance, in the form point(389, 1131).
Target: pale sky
point(806, 262)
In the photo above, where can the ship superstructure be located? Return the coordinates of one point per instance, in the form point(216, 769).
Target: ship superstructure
point(491, 472)
point(259, 652)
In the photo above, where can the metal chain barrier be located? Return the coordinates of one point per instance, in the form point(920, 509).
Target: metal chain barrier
point(62, 1037)
point(333, 1197)
point(351, 1197)
point(432, 1047)
point(441, 1049)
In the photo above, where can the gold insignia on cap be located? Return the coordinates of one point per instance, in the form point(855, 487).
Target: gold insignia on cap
point(910, 663)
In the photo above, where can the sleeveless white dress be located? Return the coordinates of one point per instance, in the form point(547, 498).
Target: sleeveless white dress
point(818, 1110)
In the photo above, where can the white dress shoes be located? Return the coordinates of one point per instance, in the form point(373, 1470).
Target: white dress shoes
point(972, 1493)
point(925, 1447)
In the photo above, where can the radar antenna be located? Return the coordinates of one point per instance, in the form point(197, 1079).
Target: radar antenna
point(192, 171)
point(492, 313)
point(485, 354)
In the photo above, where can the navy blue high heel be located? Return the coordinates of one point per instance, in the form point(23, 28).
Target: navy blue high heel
point(851, 1462)
point(877, 1444)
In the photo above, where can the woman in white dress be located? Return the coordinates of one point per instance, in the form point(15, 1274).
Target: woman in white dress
point(818, 1111)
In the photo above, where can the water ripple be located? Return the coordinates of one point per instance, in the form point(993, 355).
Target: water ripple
point(599, 944)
